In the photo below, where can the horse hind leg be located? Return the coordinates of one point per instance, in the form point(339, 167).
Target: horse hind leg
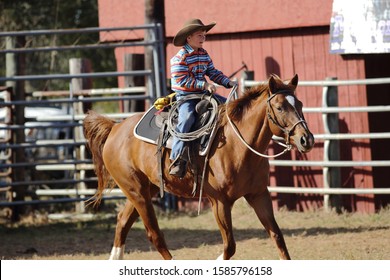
point(125, 219)
point(262, 204)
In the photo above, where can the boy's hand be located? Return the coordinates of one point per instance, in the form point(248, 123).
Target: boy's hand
point(232, 83)
point(210, 87)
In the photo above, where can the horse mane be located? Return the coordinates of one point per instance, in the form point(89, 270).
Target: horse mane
point(238, 107)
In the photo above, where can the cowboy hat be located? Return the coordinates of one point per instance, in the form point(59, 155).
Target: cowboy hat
point(189, 27)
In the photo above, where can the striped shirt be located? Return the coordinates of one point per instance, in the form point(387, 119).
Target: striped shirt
point(189, 68)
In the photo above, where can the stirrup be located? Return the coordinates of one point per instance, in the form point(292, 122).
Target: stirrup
point(178, 168)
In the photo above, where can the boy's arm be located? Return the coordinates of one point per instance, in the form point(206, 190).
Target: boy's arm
point(217, 76)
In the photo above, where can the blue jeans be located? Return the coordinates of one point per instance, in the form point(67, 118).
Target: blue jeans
point(186, 119)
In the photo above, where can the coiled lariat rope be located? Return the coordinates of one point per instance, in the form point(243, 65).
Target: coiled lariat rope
point(193, 135)
point(204, 130)
point(288, 147)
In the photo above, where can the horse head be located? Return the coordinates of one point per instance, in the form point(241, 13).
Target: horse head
point(284, 111)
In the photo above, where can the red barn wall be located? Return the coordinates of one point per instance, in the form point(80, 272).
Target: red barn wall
point(279, 37)
point(232, 16)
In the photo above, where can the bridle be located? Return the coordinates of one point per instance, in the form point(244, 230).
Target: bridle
point(287, 131)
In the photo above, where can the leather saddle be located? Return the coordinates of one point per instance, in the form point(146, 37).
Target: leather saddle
point(152, 127)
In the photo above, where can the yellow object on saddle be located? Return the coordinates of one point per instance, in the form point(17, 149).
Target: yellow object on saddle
point(161, 102)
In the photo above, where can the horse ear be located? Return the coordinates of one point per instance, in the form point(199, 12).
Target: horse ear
point(294, 81)
point(272, 84)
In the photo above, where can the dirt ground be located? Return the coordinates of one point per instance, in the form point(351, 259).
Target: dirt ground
point(313, 235)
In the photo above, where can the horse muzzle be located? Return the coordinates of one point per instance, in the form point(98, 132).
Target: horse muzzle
point(303, 141)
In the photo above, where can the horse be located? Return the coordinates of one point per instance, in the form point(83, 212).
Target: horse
point(234, 170)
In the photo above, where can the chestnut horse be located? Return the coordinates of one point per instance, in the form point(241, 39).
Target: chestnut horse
point(233, 170)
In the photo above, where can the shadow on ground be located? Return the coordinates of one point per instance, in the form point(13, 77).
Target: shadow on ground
point(96, 237)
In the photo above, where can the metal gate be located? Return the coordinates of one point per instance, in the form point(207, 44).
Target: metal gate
point(42, 148)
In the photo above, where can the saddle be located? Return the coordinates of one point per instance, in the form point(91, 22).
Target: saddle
point(155, 127)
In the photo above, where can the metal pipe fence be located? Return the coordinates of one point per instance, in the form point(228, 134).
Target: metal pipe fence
point(87, 165)
point(280, 189)
point(65, 160)
point(75, 163)
point(328, 189)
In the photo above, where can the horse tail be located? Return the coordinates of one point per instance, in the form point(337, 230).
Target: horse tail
point(96, 130)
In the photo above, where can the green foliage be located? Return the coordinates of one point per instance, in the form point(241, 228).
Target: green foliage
point(43, 14)
point(20, 15)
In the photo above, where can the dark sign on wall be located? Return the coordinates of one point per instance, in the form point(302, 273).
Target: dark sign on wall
point(360, 26)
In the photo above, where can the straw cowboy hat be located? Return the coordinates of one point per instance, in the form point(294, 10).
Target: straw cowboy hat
point(189, 27)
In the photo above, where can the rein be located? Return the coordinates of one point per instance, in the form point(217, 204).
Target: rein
point(287, 132)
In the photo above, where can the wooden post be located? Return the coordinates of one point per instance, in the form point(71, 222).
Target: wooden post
point(154, 13)
point(78, 66)
point(15, 66)
point(134, 62)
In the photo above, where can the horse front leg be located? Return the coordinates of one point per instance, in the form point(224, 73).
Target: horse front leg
point(125, 219)
point(223, 216)
point(141, 201)
point(262, 204)
point(154, 234)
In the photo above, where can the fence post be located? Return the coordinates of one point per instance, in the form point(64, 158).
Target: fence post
point(14, 67)
point(154, 55)
point(77, 66)
point(134, 61)
point(331, 175)
point(246, 76)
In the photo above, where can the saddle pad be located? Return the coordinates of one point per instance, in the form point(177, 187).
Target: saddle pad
point(146, 129)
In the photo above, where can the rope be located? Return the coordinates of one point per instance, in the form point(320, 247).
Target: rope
point(192, 135)
point(287, 147)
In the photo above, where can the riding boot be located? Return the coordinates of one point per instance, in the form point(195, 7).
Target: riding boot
point(178, 168)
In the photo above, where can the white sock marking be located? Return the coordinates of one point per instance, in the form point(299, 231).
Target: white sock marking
point(117, 253)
